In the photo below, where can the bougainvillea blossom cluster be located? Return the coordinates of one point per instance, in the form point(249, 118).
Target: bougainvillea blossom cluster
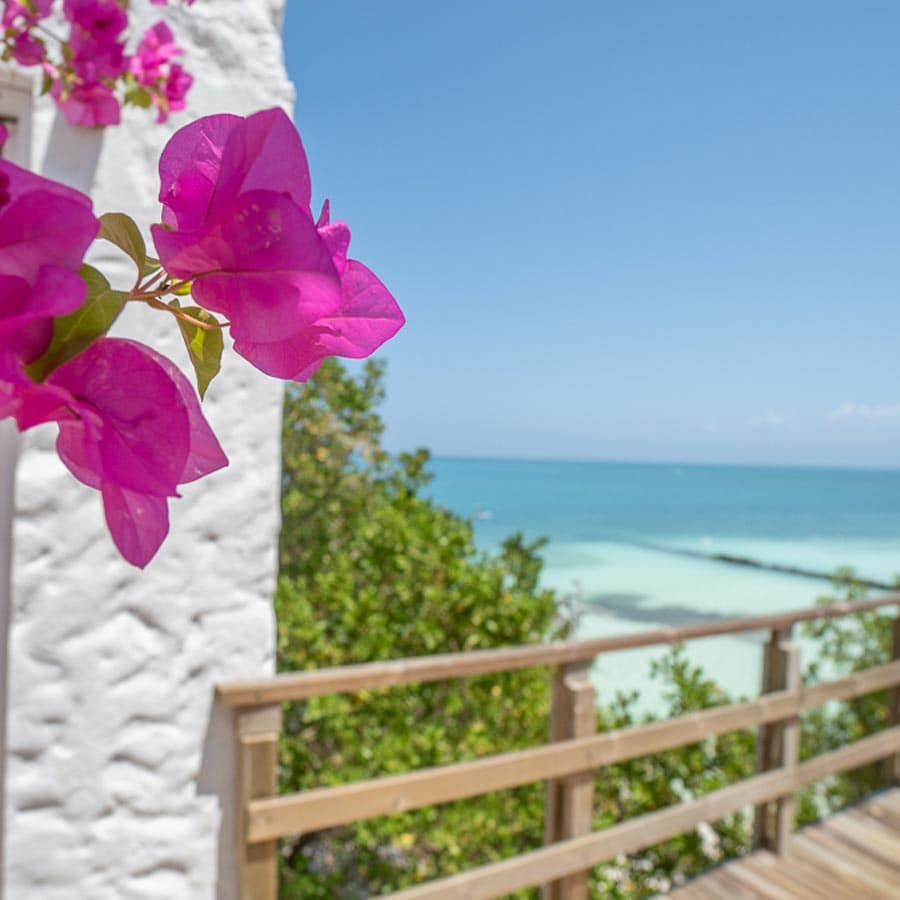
point(154, 70)
point(237, 224)
point(130, 426)
point(238, 235)
point(88, 72)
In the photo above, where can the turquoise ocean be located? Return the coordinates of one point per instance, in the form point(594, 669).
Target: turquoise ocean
point(630, 545)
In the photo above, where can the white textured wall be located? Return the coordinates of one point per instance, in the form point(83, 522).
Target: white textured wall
point(119, 770)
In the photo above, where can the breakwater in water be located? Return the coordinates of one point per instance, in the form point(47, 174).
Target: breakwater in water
point(751, 563)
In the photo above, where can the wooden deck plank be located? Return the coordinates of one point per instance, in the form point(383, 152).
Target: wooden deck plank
point(793, 879)
point(848, 868)
point(873, 840)
point(883, 813)
point(816, 863)
point(824, 882)
point(758, 885)
point(879, 828)
point(711, 888)
point(718, 884)
point(853, 855)
point(890, 800)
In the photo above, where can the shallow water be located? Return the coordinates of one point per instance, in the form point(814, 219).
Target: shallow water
point(616, 530)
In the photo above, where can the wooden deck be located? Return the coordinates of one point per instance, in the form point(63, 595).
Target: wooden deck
point(854, 854)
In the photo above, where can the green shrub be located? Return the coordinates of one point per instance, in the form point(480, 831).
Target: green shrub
point(372, 569)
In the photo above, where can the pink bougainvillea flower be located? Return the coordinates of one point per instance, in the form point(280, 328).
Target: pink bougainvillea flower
point(237, 223)
point(177, 84)
point(156, 47)
point(96, 50)
point(367, 315)
point(98, 21)
point(17, 14)
point(152, 67)
point(95, 59)
point(28, 50)
point(42, 223)
point(45, 230)
point(86, 105)
point(27, 311)
point(130, 426)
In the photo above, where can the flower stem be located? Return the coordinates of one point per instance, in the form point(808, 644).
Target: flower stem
point(39, 27)
point(181, 314)
point(152, 285)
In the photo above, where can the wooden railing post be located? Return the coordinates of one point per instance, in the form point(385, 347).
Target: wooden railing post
point(789, 756)
point(779, 743)
point(765, 741)
point(570, 801)
point(892, 763)
point(257, 736)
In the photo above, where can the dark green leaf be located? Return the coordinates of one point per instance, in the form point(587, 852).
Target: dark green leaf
point(78, 330)
point(119, 229)
point(204, 347)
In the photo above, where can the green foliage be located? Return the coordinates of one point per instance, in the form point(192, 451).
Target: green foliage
point(847, 644)
point(121, 230)
point(372, 569)
point(79, 329)
point(204, 346)
point(636, 787)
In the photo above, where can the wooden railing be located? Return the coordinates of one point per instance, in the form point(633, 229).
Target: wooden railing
point(567, 763)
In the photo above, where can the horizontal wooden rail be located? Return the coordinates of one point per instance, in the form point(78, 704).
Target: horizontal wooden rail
point(365, 676)
point(575, 855)
point(319, 808)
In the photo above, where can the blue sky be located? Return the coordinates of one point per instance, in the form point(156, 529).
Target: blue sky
point(634, 231)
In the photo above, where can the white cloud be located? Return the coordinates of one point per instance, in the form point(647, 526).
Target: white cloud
point(866, 412)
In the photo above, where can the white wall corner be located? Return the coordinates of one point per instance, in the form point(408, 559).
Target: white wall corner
point(120, 771)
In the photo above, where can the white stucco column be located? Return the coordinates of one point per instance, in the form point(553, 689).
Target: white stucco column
point(16, 92)
point(120, 770)
point(9, 449)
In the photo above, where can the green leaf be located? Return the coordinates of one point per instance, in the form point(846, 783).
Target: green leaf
point(151, 265)
point(204, 347)
point(183, 289)
point(139, 96)
point(121, 230)
point(78, 330)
